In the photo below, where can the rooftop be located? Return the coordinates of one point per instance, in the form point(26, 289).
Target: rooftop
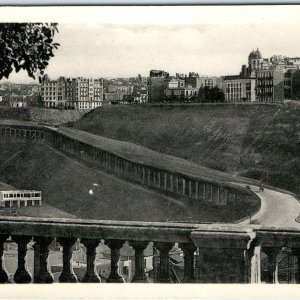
point(6, 187)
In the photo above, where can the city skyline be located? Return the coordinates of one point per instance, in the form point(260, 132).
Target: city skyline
point(129, 50)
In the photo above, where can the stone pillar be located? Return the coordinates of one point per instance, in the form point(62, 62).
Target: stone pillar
point(171, 183)
point(3, 274)
point(158, 179)
point(234, 197)
point(22, 275)
point(67, 274)
point(41, 252)
point(190, 188)
point(272, 253)
point(90, 275)
point(144, 175)
point(204, 192)
point(196, 189)
point(165, 181)
point(164, 268)
point(177, 184)
point(215, 194)
point(183, 186)
point(188, 250)
point(135, 172)
point(296, 252)
point(139, 247)
point(115, 246)
point(149, 177)
point(221, 265)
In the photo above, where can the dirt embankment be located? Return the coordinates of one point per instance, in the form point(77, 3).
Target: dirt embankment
point(41, 115)
point(258, 141)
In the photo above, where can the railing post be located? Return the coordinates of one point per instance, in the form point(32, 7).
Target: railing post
point(115, 246)
point(272, 253)
point(22, 275)
point(164, 270)
point(3, 274)
point(139, 247)
point(41, 252)
point(296, 252)
point(188, 250)
point(90, 275)
point(67, 274)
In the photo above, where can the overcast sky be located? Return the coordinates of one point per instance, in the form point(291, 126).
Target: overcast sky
point(99, 50)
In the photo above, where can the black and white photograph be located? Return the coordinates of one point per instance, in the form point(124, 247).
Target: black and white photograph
point(150, 145)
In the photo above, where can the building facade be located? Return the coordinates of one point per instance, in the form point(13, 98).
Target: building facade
point(72, 93)
point(156, 85)
point(238, 89)
point(19, 198)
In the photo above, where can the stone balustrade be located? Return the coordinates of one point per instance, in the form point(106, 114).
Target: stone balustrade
point(213, 253)
point(162, 178)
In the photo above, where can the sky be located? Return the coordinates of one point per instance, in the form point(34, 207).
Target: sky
point(218, 48)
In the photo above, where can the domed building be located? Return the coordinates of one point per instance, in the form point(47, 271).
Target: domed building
point(254, 60)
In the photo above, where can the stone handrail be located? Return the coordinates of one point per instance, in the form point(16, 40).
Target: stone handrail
point(224, 253)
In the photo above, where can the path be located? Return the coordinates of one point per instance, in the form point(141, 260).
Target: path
point(278, 209)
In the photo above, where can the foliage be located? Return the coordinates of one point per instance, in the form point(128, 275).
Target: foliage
point(27, 46)
point(211, 95)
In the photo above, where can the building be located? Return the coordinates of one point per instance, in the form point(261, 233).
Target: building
point(72, 93)
point(238, 89)
point(156, 85)
point(174, 89)
point(11, 197)
point(270, 85)
point(17, 101)
point(263, 80)
point(197, 81)
point(292, 84)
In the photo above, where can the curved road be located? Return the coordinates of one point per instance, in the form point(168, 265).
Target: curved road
point(278, 209)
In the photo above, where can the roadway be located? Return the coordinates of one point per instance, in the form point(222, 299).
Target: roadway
point(278, 209)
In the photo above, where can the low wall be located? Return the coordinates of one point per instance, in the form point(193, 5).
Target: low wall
point(166, 181)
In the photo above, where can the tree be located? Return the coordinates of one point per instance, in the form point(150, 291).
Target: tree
point(27, 46)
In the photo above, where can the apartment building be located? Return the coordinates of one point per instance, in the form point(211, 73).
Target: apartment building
point(156, 85)
point(238, 89)
point(72, 93)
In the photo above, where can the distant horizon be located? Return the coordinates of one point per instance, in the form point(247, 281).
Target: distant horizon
point(125, 50)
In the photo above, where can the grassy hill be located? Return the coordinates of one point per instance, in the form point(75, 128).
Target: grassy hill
point(76, 188)
point(40, 115)
point(257, 141)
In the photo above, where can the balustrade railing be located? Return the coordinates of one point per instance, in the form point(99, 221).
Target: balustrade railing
point(212, 253)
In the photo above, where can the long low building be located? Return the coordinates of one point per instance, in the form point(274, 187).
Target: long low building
point(12, 197)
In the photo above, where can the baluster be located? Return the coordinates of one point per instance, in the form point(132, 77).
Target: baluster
point(115, 246)
point(139, 247)
point(3, 274)
point(22, 275)
point(188, 250)
point(272, 253)
point(67, 274)
point(164, 271)
point(42, 274)
point(90, 275)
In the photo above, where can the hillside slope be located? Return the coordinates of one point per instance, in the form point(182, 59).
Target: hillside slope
point(40, 115)
point(79, 189)
point(258, 141)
